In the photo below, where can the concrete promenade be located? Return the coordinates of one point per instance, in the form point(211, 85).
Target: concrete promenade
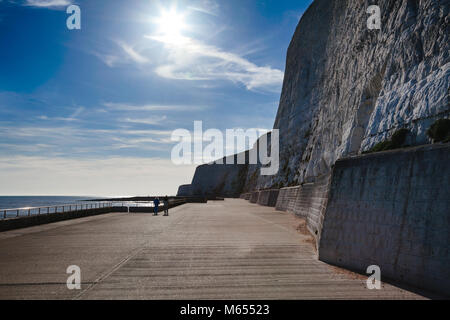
point(221, 250)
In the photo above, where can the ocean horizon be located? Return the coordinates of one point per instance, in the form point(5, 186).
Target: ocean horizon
point(15, 202)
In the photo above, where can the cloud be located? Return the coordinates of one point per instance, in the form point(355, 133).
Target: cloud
point(124, 176)
point(209, 7)
point(189, 59)
point(155, 107)
point(56, 118)
point(73, 140)
point(186, 58)
point(132, 53)
point(108, 59)
point(149, 121)
point(72, 117)
point(48, 3)
point(127, 55)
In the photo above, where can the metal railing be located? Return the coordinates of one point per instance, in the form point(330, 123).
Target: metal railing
point(66, 208)
point(60, 208)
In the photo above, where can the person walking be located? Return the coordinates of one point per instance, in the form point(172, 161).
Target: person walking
point(156, 206)
point(166, 205)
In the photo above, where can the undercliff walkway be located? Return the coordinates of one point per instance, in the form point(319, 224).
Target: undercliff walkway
point(220, 250)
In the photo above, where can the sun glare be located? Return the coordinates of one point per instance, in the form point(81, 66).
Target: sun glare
point(171, 23)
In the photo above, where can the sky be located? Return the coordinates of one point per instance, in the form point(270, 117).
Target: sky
point(90, 112)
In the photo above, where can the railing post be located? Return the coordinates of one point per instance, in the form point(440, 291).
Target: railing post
point(29, 212)
point(4, 214)
point(17, 212)
point(39, 211)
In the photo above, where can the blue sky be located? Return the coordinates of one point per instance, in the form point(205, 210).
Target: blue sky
point(91, 111)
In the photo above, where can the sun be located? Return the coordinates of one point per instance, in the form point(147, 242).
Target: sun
point(171, 23)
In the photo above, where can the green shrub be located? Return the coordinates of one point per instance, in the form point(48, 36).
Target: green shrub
point(397, 140)
point(381, 146)
point(440, 130)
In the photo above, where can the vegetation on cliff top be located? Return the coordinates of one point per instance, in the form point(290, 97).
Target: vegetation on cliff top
point(440, 131)
point(397, 140)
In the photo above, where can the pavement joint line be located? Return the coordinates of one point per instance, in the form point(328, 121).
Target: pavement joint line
point(110, 272)
point(37, 284)
point(122, 262)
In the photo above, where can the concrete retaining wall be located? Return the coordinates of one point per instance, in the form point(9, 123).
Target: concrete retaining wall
point(391, 209)
point(268, 197)
point(254, 197)
point(286, 199)
point(24, 222)
point(307, 201)
point(311, 204)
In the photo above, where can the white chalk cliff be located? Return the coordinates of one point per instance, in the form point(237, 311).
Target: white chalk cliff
point(346, 87)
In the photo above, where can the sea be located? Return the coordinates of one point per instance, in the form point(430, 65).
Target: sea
point(22, 202)
point(34, 202)
point(13, 202)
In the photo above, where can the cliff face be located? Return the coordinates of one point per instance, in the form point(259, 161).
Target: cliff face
point(347, 88)
point(217, 179)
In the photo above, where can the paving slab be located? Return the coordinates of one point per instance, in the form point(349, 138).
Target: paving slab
point(220, 250)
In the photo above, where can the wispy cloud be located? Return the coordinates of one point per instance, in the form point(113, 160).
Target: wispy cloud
point(109, 59)
point(149, 121)
point(47, 3)
point(71, 139)
point(132, 53)
point(210, 7)
point(72, 117)
point(128, 54)
point(189, 59)
point(43, 117)
point(151, 107)
point(182, 57)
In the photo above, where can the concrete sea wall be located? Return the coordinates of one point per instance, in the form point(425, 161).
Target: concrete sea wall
point(35, 220)
point(254, 197)
point(268, 197)
point(307, 201)
point(392, 209)
point(286, 198)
